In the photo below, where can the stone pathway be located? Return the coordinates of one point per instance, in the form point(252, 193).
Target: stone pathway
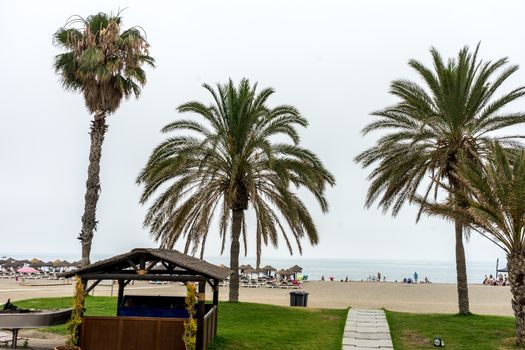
point(365, 330)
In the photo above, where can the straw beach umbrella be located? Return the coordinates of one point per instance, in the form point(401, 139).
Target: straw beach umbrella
point(284, 273)
point(243, 268)
point(268, 269)
point(295, 269)
point(250, 271)
point(36, 262)
point(12, 263)
point(76, 263)
point(7, 261)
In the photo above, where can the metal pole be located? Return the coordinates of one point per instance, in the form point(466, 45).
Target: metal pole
point(15, 338)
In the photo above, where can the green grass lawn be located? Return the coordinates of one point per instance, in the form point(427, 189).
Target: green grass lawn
point(416, 331)
point(242, 325)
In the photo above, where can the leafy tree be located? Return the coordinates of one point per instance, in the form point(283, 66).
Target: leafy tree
point(105, 64)
point(493, 199)
point(431, 128)
point(236, 161)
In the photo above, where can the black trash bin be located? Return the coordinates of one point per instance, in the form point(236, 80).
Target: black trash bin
point(299, 298)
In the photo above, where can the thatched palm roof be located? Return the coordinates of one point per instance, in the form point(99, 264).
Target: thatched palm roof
point(269, 268)
point(284, 272)
point(77, 263)
point(13, 263)
point(36, 262)
point(7, 261)
point(245, 267)
point(296, 268)
point(183, 263)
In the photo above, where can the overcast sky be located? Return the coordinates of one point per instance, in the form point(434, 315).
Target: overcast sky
point(333, 60)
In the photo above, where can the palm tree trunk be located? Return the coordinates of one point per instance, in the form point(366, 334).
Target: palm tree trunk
point(259, 248)
point(89, 222)
point(461, 271)
point(516, 265)
point(461, 264)
point(237, 216)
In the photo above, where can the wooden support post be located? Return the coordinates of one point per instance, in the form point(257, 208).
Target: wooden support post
point(84, 283)
point(200, 315)
point(216, 304)
point(121, 285)
point(91, 287)
point(216, 292)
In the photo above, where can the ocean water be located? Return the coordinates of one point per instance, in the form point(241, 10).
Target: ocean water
point(393, 270)
point(355, 269)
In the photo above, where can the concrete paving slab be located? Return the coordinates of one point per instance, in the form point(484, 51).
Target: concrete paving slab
point(366, 329)
point(371, 343)
point(351, 347)
point(360, 335)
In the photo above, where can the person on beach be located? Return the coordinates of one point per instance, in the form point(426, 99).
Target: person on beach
point(379, 277)
point(415, 277)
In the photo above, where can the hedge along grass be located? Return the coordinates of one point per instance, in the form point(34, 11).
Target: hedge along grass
point(240, 325)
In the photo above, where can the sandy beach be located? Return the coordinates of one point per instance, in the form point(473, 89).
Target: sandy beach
point(421, 298)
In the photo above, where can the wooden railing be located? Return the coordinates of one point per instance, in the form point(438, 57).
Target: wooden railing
point(210, 326)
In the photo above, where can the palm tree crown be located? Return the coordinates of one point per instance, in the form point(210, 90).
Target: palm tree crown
point(430, 128)
point(232, 162)
point(494, 198)
point(102, 62)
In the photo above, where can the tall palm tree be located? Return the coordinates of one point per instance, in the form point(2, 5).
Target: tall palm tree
point(494, 205)
point(234, 161)
point(428, 131)
point(105, 64)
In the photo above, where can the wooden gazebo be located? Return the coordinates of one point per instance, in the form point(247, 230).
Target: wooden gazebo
point(149, 322)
